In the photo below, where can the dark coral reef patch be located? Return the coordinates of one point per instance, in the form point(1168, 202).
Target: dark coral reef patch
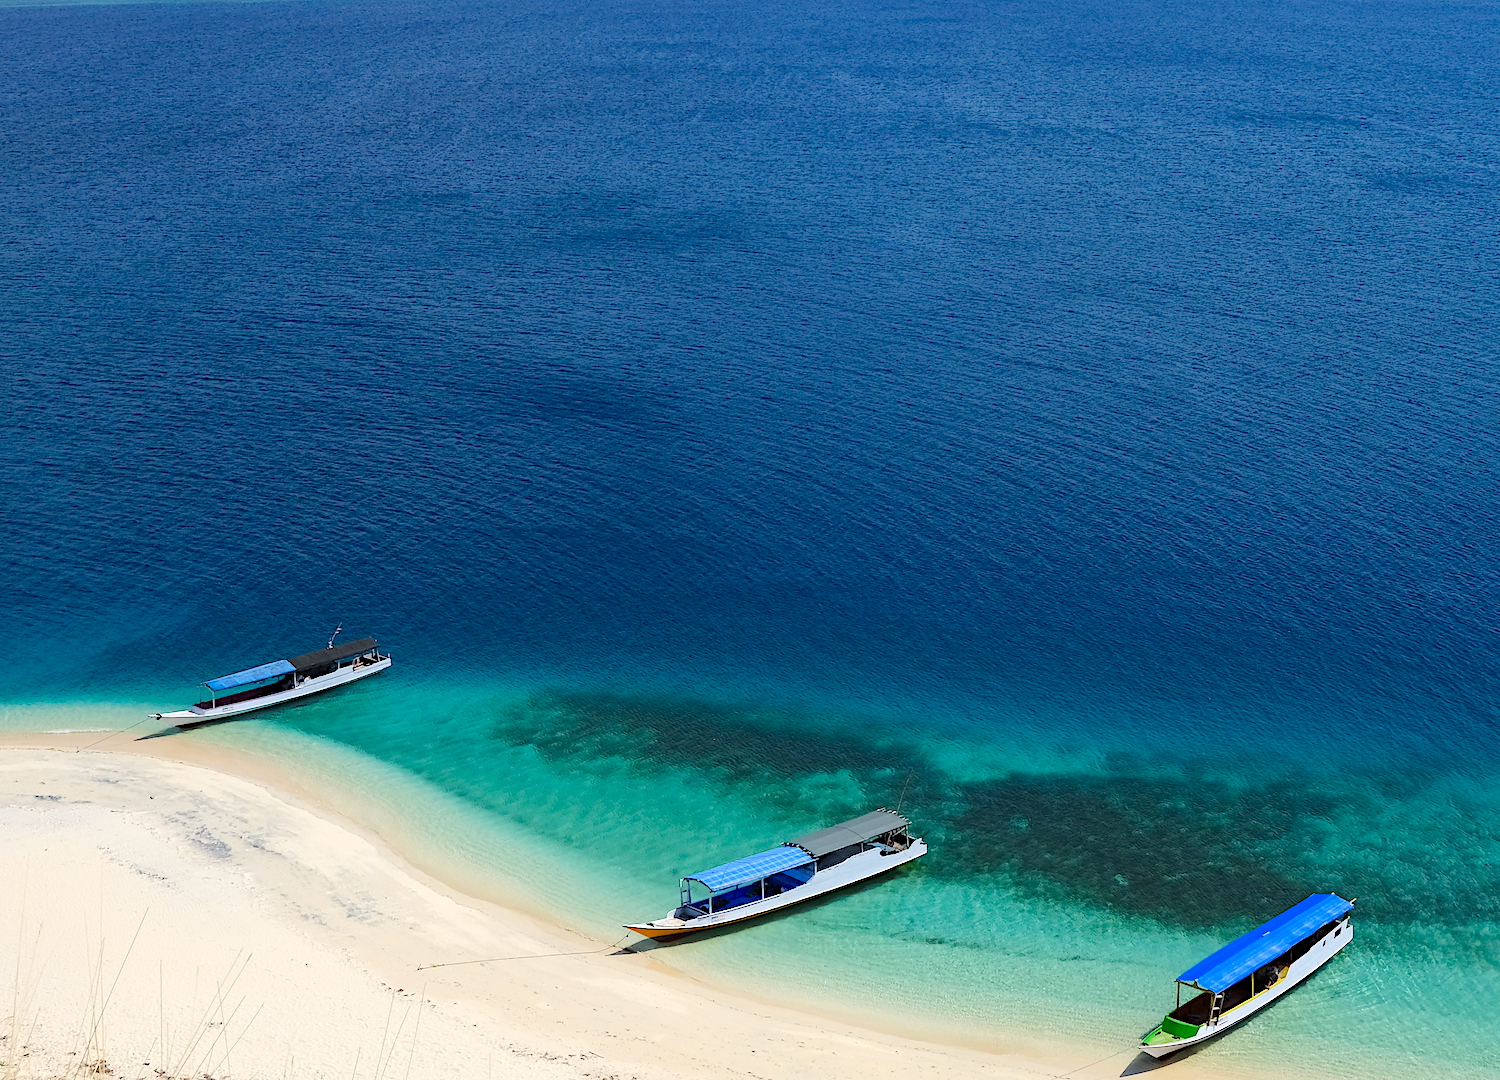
point(1192, 854)
point(1187, 847)
point(769, 750)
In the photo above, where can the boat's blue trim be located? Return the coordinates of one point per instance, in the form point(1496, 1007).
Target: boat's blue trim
point(751, 868)
point(250, 675)
point(1265, 943)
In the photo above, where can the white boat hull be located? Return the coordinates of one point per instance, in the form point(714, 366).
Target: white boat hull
point(308, 686)
point(1321, 952)
point(856, 868)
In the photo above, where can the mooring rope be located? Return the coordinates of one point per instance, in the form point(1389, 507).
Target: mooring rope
point(111, 735)
point(524, 956)
point(1090, 1065)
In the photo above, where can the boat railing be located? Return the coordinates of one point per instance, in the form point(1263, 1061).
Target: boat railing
point(1196, 1010)
point(833, 858)
point(271, 686)
point(1270, 974)
point(896, 839)
point(754, 891)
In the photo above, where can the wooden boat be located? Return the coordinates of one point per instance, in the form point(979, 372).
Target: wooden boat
point(798, 870)
point(285, 680)
point(1252, 971)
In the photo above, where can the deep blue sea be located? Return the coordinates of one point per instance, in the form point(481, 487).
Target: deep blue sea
point(1075, 421)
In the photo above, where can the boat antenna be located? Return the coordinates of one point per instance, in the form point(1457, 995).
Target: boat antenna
point(903, 791)
point(336, 631)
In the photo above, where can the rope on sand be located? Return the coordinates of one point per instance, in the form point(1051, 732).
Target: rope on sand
point(1091, 1064)
point(526, 956)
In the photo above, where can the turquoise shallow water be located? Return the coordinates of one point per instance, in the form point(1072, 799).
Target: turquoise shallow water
point(505, 793)
point(1075, 422)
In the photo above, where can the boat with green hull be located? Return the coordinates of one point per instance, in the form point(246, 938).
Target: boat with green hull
point(1252, 971)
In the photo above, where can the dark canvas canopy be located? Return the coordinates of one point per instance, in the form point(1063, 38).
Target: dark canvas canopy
point(854, 831)
point(333, 655)
point(286, 667)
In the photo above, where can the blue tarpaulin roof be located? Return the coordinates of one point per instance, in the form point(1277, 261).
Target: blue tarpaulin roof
point(1265, 943)
point(752, 868)
point(250, 675)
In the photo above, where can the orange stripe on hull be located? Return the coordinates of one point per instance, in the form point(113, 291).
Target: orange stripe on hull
point(647, 930)
point(659, 931)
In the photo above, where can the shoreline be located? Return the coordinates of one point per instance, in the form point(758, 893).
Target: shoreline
point(689, 1027)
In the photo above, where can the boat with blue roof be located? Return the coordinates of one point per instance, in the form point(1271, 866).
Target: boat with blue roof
point(812, 865)
point(280, 681)
point(1252, 971)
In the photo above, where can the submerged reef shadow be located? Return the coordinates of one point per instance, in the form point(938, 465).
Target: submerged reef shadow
point(1195, 854)
point(1199, 851)
point(1183, 843)
point(769, 751)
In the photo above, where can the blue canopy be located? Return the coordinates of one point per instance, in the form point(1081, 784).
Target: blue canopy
point(1265, 943)
point(751, 868)
point(250, 675)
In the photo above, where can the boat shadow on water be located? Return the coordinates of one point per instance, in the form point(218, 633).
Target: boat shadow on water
point(800, 910)
point(1144, 1062)
point(259, 714)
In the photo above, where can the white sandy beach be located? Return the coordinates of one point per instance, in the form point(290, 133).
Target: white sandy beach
point(164, 919)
